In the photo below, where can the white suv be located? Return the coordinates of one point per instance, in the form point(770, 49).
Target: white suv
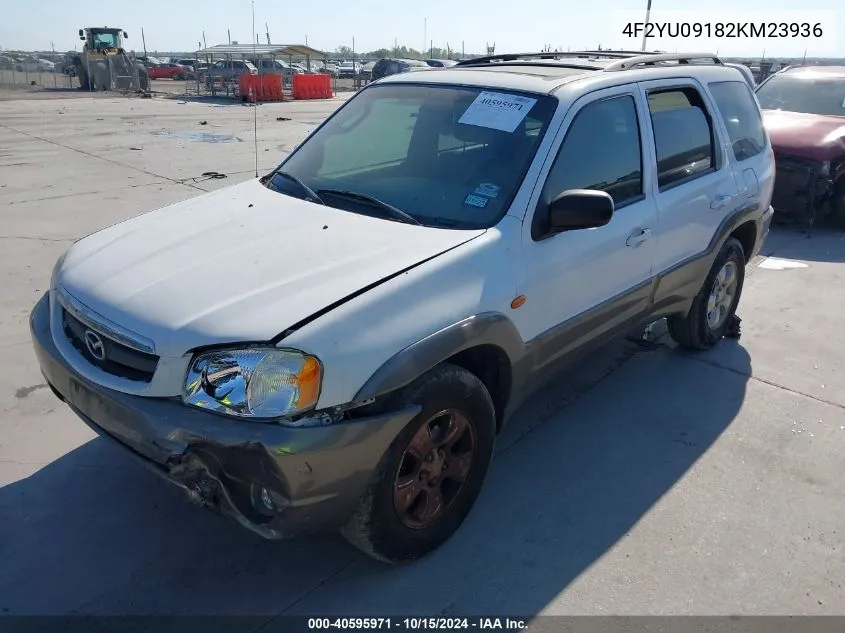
point(337, 344)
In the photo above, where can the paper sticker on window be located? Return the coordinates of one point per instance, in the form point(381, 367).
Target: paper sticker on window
point(497, 110)
point(487, 189)
point(475, 201)
point(843, 103)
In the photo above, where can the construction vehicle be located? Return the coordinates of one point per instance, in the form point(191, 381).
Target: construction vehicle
point(104, 64)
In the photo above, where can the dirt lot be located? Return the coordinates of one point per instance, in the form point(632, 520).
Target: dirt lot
point(645, 481)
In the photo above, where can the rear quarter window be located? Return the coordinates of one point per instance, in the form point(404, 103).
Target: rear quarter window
point(741, 116)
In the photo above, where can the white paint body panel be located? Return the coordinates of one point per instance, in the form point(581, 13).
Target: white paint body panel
point(573, 271)
point(214, 270)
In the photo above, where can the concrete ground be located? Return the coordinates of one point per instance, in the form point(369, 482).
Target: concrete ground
point(645, 481)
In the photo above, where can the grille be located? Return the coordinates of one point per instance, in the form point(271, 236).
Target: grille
point(119, 360)
point(795, 187)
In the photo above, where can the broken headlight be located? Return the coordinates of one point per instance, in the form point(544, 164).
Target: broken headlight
point(254, 382)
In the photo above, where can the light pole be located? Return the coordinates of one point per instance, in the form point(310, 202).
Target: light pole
point(645, 28)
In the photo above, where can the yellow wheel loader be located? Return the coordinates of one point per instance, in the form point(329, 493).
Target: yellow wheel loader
point(104, 65)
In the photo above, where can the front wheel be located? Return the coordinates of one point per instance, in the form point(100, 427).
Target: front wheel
point(712, 312)
point(429, 478)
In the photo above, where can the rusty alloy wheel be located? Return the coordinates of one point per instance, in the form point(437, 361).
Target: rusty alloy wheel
point(434, 468)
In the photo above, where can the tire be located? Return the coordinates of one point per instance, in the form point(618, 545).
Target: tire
point(693, 330)
point(378, 526)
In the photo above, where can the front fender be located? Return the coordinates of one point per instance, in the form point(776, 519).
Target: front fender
point(489, 328)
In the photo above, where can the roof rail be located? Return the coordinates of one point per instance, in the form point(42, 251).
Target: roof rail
point(612, 54)
point(513, 57)
point(652, 58)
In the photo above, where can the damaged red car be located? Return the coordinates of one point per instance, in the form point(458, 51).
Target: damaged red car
point(804, 114)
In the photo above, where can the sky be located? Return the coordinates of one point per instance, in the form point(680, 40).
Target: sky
point(528, 25)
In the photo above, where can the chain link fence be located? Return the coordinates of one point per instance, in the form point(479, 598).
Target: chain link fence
point(27, 70)
point(175, 74)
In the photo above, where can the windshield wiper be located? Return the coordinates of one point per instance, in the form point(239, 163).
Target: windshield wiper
point(310, 193)
point(398, 214)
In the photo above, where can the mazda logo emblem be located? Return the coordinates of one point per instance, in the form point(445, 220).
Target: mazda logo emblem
point(95, 345)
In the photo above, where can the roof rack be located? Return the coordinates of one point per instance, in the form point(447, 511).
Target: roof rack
point(613, 54)
point(650, 59)
point(513, 57)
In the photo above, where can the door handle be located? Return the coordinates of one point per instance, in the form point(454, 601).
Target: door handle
point(635, 239)
point(722, 199)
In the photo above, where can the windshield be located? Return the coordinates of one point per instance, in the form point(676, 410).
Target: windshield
point(445, 155)
point(815, 94)
point(105, 40)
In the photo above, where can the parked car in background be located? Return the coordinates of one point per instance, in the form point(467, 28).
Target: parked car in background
point(35, 65)
point(170, 71)
point(328, 68)
point(268, 66)
point(367, 70)
point(385, 67)
point(349, 69)
point(148, 60)
point(227, 71)
point(6, 63)
point(804, 114)
point(302, 68)
point(746, 73)
point(187, 62)
point(440, 63)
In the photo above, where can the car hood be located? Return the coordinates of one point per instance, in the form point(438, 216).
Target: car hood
point(240, 264)
point(812, 136)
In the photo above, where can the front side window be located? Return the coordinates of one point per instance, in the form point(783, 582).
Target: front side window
point(446, 155)
point(812, 93)
point(601, 151)
point(683, 135)
point(741, 116)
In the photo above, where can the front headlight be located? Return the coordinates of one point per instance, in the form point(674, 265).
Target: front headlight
point(254, 382)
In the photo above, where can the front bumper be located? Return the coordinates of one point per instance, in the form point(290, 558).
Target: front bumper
point(314, 476)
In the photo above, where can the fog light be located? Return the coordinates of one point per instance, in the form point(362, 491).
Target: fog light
point(262, 501)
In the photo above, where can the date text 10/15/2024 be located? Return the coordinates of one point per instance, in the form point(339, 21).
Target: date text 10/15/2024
point(418, 624)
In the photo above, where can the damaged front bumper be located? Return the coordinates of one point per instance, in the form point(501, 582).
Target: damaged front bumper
point(804, 189)
point(274, 480)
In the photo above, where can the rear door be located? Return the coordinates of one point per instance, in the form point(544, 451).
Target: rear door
point(750, 152)
point(694, 182)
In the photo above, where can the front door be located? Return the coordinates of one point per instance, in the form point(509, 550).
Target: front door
point(583, 283)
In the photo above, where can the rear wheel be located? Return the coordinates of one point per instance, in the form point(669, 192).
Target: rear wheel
point(429, 478)
point(713, 309)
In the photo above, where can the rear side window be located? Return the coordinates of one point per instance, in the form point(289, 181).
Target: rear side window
point(741, 116)
point(683, 136)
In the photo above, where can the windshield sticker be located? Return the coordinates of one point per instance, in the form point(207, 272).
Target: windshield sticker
point(497, 110)
point(487, 189)
point(475, 201)
point(843, 103)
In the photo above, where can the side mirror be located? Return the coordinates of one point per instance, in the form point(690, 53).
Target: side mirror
point(125, 35)
point(580, 209)
point(81, 34)
point(82, 37)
